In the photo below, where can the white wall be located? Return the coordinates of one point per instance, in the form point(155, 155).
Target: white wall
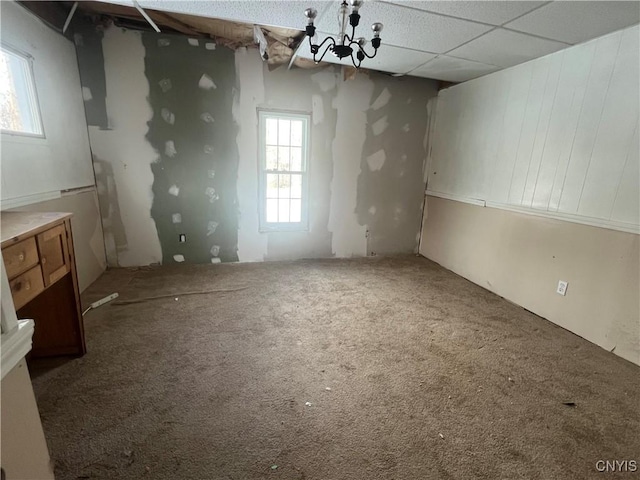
point(521, 258)
point(62, 160)
point(23, 446)
point(556, 136)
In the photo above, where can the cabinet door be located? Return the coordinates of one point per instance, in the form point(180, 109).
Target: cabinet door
point(54, 254)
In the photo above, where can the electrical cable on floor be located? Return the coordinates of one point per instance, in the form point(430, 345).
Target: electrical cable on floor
point(176, 295)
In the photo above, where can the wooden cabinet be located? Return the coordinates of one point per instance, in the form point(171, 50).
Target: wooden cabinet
point(39, 259)
point(54, 254)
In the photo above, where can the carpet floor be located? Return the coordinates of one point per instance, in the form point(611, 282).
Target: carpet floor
point(373, 368)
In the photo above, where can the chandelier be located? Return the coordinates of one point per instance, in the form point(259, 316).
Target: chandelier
point(345, 45)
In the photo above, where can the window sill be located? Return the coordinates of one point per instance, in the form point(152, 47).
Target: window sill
point(284, 229)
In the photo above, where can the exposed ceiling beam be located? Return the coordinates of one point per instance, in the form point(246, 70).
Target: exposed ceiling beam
point(53, 14)
point(146, 17)
point(69, 17)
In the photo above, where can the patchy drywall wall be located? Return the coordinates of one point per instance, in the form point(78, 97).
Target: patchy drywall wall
point(349, 213)
point(196, 171)
point(88, 41)
point(390, 188)
point(252, 245)
point(350, 103)
point(295, 90)
point(194, 133)
point(121, 154)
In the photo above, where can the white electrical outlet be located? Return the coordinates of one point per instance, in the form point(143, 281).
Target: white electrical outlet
point(562, 287)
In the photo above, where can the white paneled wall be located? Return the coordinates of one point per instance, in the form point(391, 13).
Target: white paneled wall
point(556, 136)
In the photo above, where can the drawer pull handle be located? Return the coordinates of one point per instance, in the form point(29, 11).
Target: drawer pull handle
point(44, 260)
point(20, 285)
point(21, 257)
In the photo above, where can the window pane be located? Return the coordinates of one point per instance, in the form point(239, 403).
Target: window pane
point(272, 185)
point(272, 211)
point(296, 159)
point(272, 131)
point(296, 211)
point(283, 159)
point(285, 186)
point(283, 210)
point(18, 108)
point(296, 186)
point(296, 133)
point(272, 158)
point(283, 132)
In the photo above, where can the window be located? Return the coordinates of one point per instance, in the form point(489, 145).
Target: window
point(19, 113)
point(284, 153)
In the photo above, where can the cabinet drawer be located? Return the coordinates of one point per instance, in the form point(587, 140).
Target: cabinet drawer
point(20, 257)
point(26, 286)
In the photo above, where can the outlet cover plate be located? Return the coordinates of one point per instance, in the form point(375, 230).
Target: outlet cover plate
point(562, 287)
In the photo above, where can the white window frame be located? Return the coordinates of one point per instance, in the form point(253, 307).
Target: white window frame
point(303, 225)
point(31, 92)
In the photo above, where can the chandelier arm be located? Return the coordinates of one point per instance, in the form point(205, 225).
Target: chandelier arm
point(325, 50)
point(363, 50)
point(354, 62)
point(328, 39)
point(323, 42)
point(367, 55)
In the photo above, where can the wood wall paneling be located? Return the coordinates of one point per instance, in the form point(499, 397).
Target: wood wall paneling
point(557, 135)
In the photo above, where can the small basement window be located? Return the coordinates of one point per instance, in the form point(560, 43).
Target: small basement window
point(19, 112)
point(283, 156)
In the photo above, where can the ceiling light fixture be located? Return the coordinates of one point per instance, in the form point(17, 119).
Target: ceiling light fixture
point(345, 45)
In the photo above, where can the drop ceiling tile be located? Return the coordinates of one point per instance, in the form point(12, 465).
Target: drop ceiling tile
point(281, 13)
point(493, 12)
point(404, 27)
point(575, 22)
point(453, 69)
point(388, 59)
point(505, 48)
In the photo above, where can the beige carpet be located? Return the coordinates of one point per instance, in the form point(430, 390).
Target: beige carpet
point(376, 368)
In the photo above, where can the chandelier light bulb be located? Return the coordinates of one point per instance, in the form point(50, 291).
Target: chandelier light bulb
point(356, 4)
point(342, 22)
point(377, 28)
point(311, 14)
point(362, 42)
